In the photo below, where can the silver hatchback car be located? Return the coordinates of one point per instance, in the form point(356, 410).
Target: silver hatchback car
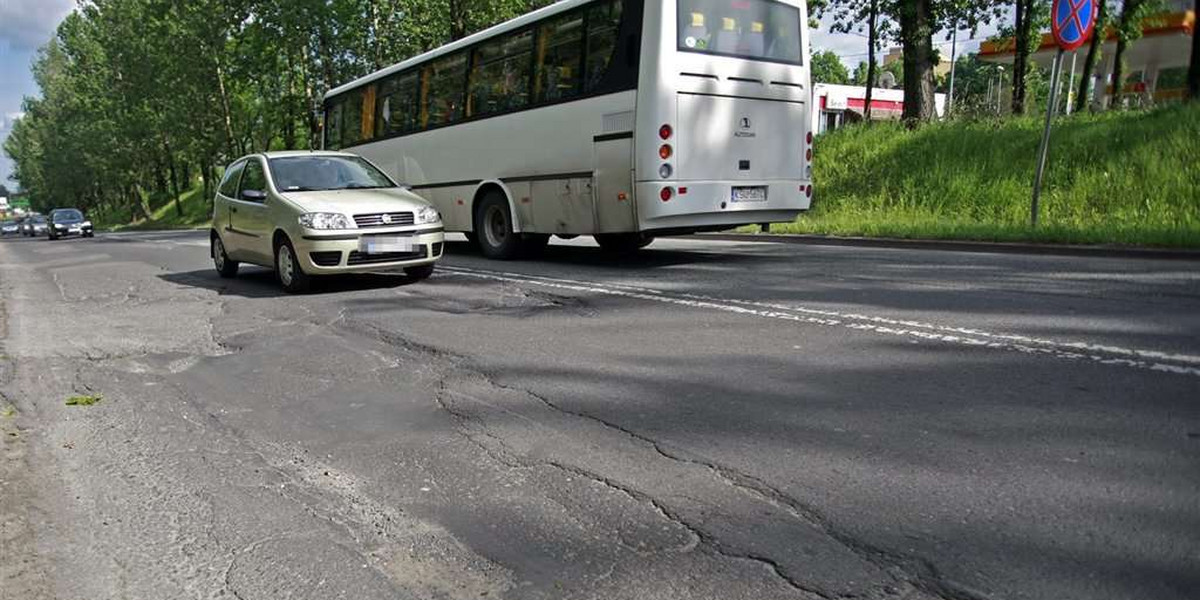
point(308, 214)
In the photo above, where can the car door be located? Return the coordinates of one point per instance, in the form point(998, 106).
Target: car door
point(250, 218)
point(223, 208)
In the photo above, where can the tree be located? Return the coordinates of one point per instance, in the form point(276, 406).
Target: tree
point(1193, 78)
point(1023, 27)
point(918, 20)
point(854, 16)
point(1093, 57)
point(1129, 29)
point(826, 67)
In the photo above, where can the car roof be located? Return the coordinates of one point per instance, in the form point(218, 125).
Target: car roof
point(296, 153)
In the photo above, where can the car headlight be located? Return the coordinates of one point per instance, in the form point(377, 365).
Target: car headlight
point(428, 215)
point(86, 224)
point(326, 221)
point(59, 226)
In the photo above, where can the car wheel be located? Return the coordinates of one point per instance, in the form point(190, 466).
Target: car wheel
point(623, 243)
point(287, 269)
point(52, 236)
point(226, 267)
point(420, 273)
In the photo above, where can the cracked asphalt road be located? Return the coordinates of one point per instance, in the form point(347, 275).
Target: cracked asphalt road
point(708, 420)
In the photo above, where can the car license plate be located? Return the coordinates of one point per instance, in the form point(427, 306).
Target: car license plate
point(73, 230)
point(750, 194)
point(383, 244)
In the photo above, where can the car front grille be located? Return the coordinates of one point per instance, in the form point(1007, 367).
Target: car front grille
point(381, 219)
point(326, 259)
point(359, 258)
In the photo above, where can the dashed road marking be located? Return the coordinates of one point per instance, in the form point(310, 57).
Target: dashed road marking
point(1153, 360)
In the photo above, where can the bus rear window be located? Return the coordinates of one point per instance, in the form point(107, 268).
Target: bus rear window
point(751, 29)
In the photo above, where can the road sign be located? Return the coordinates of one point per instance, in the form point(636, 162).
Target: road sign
point(1072, 22)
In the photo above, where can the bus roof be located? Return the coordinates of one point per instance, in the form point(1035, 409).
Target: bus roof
point(517, 23)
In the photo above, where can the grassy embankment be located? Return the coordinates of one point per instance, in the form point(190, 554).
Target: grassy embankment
point(1119, 178)
point(197, 212)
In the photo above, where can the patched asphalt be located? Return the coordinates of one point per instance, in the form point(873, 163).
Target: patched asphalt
point(708, 419)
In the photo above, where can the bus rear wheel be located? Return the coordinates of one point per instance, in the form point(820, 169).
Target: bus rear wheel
point(623, 243)
point(494, 228)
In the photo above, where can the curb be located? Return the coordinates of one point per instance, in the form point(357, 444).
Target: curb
point(962, 246)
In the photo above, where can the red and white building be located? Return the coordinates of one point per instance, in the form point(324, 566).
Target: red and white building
point(840, 104)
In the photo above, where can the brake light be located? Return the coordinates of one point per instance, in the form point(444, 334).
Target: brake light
point(665, 132)
point(666, 194)
point(808, 155)
point(809, 137)
point(665, 151)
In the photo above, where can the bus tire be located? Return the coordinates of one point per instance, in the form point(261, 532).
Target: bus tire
point(623, 243)
point(494, 228)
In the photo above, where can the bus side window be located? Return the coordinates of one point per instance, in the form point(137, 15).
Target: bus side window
point(560, 53)
point(333, 126)
point(500, 75)
point(399, 105)
point(351, 125)
point(604, 20)
point(447, 81)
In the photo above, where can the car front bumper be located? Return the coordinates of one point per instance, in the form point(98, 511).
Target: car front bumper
point(72, 230)
point(332, 252)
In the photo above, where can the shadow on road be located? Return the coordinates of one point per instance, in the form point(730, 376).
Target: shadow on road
point(260, 283)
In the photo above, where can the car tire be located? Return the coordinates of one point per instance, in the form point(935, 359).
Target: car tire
point(288, 271)
point(494, 228)
point(226, 267)
point(420, 273)
point(623, 243)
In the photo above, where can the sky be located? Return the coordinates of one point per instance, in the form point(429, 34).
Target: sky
point(26, 25)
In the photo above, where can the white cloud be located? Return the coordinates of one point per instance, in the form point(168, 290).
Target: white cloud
point(28, 24)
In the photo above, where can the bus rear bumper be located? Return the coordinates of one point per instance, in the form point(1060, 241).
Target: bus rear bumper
point(707, 206)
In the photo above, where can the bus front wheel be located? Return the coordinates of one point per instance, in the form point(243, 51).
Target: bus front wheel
point(623, 243)
point(494, 228)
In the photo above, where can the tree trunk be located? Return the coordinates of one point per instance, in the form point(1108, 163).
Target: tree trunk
point(174, 177)
point(871, 66)
point(1089, 63)
point(1130, 10)
point(458, 20)
point(1193, 78)
point(1024, 23)
point(916, 33)
point(226, 110)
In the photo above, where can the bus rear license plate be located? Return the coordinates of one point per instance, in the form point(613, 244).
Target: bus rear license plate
point(750, 194)
point(383, 244)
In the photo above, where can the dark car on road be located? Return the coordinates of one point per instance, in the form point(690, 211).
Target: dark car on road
point(64, 222)
point(34, 226)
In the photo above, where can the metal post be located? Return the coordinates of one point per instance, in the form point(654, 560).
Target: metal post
point(1071, 84)
point(953, 51)
point(1044, 149)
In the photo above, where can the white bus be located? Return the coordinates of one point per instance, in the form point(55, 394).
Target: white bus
point(620, 119)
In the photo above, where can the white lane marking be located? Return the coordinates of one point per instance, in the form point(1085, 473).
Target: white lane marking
point(1101, 354)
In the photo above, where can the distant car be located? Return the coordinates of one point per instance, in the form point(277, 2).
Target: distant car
point(10, 228)
point(34, 226)
point(307, 214)
point(65, 222)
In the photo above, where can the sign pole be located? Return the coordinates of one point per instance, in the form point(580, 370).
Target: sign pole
point(1045, 147)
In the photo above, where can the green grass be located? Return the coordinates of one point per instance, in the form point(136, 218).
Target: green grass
point(84, 400)
point(1127, 178)
point(197, 212)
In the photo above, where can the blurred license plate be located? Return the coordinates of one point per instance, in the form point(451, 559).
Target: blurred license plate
point(750, 194)
point(383, 244)
point(73, 230)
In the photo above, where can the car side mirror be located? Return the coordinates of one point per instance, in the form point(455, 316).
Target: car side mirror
point(254, 195)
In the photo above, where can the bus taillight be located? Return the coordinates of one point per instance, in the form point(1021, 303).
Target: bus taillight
point(808, 191)
point(810, 138)
point(666, 194)
point(665, 151)
point(665, 132)
point(808, 155)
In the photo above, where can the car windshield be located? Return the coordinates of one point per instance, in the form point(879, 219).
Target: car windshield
point(68, 215)
point(39, 220)
point(9, 223)
point(324, 173)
